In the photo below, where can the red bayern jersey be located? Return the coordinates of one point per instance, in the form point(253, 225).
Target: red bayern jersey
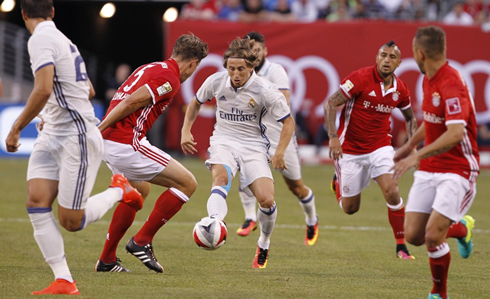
point(162, 79)
point(365, 122)
point(447, 101)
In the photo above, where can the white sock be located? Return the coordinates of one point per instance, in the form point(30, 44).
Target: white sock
point(248, 203)
point(267, 220)
point(99, 204)
point(308, 206)
point(216, 205)
point(50, 241)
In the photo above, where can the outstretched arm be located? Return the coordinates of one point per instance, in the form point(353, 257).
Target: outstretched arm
point(43, 86)
point(330, 110)
point(140, 98)
point(187, 140)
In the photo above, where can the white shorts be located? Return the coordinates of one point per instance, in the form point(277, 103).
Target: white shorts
point(251, 164)
point(448, 193)
point(354, 172)
point(141, 165)
point(293, 161)
point(73, 161)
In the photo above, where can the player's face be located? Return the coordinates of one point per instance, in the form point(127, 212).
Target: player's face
point(239, 71)
point(388, 60)
point(417, 56)
point(261, 52)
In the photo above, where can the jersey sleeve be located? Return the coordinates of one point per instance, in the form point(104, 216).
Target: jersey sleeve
point(42, 50)
point(280, 78)
point(405, 101)
point(161, 87)
point(206, 91)
point(276, 104)
point(457, 103)
point(351, 86)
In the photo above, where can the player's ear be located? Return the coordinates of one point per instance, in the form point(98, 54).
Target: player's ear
point(52, 13)
point(265, 51)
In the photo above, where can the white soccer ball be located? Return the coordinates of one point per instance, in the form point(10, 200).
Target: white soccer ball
point(210, 233)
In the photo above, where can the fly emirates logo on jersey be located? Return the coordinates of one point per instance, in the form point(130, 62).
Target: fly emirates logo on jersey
point(237, 115)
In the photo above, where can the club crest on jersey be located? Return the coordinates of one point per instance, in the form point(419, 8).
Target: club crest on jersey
point(165, 88)
point(251, 103)
point(396, 96)
point(436, 99)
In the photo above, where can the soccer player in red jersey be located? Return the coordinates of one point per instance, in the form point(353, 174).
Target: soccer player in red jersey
point(362, 147)
point(135, 107)
point(445, 183)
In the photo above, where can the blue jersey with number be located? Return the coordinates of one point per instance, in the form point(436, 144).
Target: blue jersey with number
point(68, 110)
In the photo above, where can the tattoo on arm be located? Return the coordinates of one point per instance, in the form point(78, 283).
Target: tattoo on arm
point(330, 107)
point(411, 122)
point(437, 152)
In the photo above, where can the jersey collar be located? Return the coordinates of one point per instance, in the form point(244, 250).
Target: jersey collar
point(382, 83)
point(42, 25)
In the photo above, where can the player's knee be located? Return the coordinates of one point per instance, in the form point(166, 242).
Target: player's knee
point(265, 200)
point(350, 209)
point(70, 225)
point(191, 186)
point(392, 196)
point(414, 239)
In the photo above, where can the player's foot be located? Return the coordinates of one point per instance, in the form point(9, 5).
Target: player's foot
point(436, 296)
point(100, 266)
point(59, 287)
point(131, 196)
point(311, 234)
point(334, 184)
point(261, 257)
point(465, 245)
point(145, 255)
point(247, 227)
point(402, 252)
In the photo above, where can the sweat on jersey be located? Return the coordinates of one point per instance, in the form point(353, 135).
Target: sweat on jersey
point(365, 122)
point(447, 101)
point(68, 110)
point(162, 79)
point(240, 112)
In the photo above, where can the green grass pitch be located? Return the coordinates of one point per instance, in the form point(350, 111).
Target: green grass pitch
point(354, 256)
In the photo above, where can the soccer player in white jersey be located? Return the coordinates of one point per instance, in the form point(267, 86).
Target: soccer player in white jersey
point(239, 140)
point(68, 151)
point(292, 175)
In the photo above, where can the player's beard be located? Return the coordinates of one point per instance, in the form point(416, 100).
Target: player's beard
point(261, 64)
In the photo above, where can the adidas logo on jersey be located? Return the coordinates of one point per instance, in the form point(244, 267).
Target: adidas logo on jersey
point(372, 94)
point(222, 98)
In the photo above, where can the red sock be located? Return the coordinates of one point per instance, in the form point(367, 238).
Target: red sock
point(396, 218)
point(121, 220)
point(439, 258)
point(167, 205)
point(457, 230)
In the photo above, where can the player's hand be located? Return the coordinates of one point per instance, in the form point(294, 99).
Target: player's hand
point(40, 125)
point(402, 166)
point(335, 149)
point(188, 144)
point(12, 141)
point(278, 162)
point(403, 152)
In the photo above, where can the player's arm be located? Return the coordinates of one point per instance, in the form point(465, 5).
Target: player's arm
point(412, 143)
point(91, 93)
point(43, 86)
point(187, 140)
point(330, 110)
point(138, 99)
point(287, 95)
point(410, 121)
point(453, 135)
point(278, 161)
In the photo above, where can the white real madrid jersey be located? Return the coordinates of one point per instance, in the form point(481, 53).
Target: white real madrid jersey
point(68, 110)
point(240, 112)
point(276, 74)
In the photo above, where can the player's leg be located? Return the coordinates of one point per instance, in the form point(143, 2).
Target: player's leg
point(263, 189)
point(307, 202)
point(353, 176)
point(248, 204)
point(42, 189)
point(222, 176)
point(294, 181)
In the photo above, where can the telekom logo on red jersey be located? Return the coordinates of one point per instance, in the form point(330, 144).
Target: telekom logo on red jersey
point(432, 118)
